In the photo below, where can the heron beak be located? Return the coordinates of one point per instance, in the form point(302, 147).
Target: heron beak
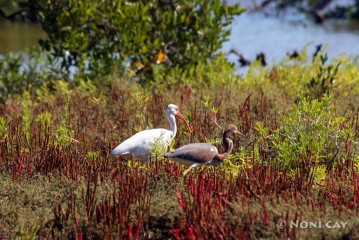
point(180, 116)
point(237, 132)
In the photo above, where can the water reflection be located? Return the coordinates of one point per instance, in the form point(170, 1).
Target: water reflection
point(16, 36)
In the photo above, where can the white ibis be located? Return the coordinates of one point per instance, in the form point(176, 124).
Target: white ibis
point(197, 154)
point(142, 143)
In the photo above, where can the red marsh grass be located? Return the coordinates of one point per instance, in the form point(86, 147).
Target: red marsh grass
point(62, 182)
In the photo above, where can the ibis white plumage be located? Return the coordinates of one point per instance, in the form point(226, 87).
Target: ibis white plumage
point(141, 144)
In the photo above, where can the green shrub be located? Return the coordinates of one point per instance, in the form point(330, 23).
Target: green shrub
point(323, 82)
point(26, 72)
point(140, 33)
point(310, 134)
point(213, 73)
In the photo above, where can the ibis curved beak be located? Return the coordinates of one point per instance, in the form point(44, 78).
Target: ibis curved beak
point(180, 116)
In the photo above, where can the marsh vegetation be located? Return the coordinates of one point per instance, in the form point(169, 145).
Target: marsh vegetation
point(296, 160)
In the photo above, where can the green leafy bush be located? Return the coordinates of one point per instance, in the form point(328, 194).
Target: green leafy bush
point(108, 34)
point(26, 72)
point(324, 80)
point(213, 73)
point(310, 134)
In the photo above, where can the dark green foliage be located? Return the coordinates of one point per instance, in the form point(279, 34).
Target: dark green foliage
point(355, 10)
point(11, 8)
point(323, 82)
point(27, 72)
point(19, 9)
point(108, 34)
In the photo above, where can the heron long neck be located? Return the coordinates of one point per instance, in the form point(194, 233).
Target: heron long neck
point(228, 144)
point(173, 126)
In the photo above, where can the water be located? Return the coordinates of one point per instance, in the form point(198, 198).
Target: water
point(16, 36)
point(274, 35)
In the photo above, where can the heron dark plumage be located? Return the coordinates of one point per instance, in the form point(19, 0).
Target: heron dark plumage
point(197, 154)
